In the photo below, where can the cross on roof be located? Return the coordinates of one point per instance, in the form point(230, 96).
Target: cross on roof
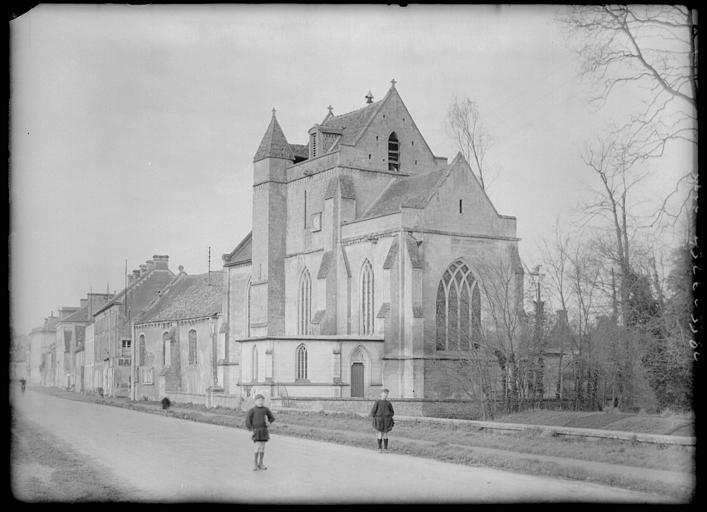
point(273, 111)
point(330, 108)
point(393, 82)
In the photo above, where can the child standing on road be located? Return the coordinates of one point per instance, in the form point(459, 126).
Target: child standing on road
point(382, 414)
point(255, 422)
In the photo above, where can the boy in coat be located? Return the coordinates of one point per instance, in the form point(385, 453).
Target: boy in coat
point(382, 413)
point(255, 422)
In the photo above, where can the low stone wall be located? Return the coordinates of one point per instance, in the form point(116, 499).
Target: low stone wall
point(450, 408)
point(186, 398)
point(223, 400)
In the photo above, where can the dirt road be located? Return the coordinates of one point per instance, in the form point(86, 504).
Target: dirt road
point(166, 459)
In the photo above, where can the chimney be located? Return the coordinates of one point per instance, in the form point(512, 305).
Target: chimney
point(150, 265)
point(161, 261)
point(143, 269)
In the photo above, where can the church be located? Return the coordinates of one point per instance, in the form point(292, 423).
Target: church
point(366, 263)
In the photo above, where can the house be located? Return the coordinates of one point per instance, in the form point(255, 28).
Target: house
point(113, 325)
point(41, 363)
point(175, 354)
point(365, 262)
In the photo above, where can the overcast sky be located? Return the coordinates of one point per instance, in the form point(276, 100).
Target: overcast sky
point(133, 128)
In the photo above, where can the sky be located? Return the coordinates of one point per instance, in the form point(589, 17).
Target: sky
point(133, 128)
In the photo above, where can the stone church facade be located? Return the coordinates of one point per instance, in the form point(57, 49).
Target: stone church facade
point(364, 265)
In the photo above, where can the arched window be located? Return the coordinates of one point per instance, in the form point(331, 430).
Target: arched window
point(458, 309)
point(142, 349)
point(301, 363)
point(192, 346)
point(366, 301)
point(254, 361)
point(393, 153)
point(304, 304)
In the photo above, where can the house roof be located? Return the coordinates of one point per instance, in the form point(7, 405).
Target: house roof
point(411, 191)
point(79, 316)
point(49, 325)
point(141, 291)
point(187, 296)
point(242, 253)
point(274, 143)
point(351, 124)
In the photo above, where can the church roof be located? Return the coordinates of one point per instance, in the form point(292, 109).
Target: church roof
point(243, 252)
point(274, 143)
point(187, 296)
point(300, 150)
point(351, 124)
point(411, 192)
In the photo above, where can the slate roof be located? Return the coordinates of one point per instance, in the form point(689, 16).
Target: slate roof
point(300, 150)
point(141, 291)
point(352, 123)
point(79, 316)
point(187, 296)
point(242, 253)
point(411, 191)
point(274, 143)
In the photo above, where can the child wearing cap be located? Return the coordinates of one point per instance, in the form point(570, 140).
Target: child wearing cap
point(382, 414)
point(255, 422)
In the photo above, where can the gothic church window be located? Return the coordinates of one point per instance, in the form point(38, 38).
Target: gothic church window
point(301, 363)
point(366, 301)
point(192, 346)
point(458, 309)
point(393, 153)
point(304, 304)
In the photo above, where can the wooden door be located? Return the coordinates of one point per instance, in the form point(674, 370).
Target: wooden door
point(357, 380)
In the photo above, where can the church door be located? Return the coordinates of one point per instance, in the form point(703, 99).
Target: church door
point(357, 380)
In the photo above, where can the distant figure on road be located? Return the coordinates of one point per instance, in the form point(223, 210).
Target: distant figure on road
point(23, 384)
point(382, 414)
point(255, 422)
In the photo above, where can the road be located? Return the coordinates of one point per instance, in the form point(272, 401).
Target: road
point(166, 459)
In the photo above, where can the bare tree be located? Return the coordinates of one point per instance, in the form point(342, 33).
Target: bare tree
point(473, 141)
point(651, 49)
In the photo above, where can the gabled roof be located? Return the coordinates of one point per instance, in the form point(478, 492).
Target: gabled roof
point(274, 143)
point(195, 296)
point(243, 252)
point(411, 191)
point(352, 124)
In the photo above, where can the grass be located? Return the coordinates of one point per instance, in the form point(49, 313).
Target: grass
point(44, 468)
point(523, 451)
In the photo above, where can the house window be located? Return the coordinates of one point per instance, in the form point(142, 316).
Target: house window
point(143, 350)
point(305, 208)
point(304, 303)
point(247, 307)
point(301, 363)
point(126, 348)
point(458, 309)
point(393, 153)
point(254, 362)
point(366, 301)
point(192, 346)
point(460, 206)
